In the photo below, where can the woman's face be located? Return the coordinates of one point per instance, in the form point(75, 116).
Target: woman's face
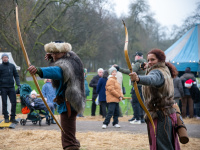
point(114, 73)
point(152, 60)
point(33, 96)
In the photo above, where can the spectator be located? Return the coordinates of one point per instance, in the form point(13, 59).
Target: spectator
point(7, 72)
point(50, 94)
point(101, 90)
point(187, 99)
point(178, 89)
point(138, 113)
point(113, 97)
point(158, 92)
point(93, 84)
point(195, 94)
point(66, 72)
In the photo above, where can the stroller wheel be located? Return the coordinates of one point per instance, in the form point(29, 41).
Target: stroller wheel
point(23, 122)
point(34, 122)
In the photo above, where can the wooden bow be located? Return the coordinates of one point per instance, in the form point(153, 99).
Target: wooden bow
point(135, 83)
point(29, 64)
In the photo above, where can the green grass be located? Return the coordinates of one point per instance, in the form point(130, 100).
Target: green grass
point(126, 108)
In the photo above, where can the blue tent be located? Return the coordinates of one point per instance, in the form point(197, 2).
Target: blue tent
point(186, 51)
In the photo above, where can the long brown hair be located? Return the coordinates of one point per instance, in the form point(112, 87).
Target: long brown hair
point(160, 55)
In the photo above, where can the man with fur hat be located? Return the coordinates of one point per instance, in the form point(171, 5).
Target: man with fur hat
point(7, 74)
point(66, 72)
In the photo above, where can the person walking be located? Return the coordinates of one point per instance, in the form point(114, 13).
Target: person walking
point(138, 113)
point(93, 84)
point(113, 97)
point(158, 93)
point(101, 90)
point(66, 72)
point(187, 99)
point(50, 94)
point(8, 73)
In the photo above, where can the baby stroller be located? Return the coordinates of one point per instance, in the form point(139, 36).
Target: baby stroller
point(35, 115)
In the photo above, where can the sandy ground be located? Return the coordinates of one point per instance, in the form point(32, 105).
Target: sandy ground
point(50, 140)
point(109, 140)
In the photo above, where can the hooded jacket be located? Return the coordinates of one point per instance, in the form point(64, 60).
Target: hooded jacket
point(113, 90)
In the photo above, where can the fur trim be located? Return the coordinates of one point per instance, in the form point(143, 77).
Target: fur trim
point(188, 84)
point(57, 47)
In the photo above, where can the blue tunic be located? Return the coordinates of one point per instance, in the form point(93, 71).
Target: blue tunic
point(56, 73)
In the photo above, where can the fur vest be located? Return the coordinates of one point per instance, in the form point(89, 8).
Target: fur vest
point(160, 99)
point(73, 78)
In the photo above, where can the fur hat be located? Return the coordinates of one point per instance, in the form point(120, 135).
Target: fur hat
point(34, 92)
point(60, 47)
point(189, 83)
point(4, 55)
point(112, 69)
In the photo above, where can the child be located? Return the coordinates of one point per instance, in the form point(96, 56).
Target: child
point(37, 103)
point(113, 97)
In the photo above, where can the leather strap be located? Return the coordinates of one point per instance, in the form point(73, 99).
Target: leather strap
point(68, 108)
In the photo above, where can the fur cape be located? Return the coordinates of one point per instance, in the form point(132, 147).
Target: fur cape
point(73, 74)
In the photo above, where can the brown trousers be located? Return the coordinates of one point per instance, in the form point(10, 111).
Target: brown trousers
point(187, 100)
point(69, 126)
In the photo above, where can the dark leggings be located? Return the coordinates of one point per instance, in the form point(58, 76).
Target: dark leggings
point(69, 126)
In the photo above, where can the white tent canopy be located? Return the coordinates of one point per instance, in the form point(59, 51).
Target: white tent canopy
point(11, 60)
point(186, 51)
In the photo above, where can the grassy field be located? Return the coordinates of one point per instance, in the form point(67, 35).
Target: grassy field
point(126, 108)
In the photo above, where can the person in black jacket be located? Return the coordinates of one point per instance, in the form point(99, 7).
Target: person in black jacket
point(7, 72)
point(195, 94)
point(93, 84)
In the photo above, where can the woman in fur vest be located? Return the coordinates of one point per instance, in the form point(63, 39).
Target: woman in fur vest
point(113, 97)
point(66, 72)
point(158, 92)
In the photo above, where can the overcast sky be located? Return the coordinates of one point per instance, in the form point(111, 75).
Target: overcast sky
point(167, 12)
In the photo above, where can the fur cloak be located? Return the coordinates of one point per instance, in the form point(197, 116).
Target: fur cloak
point(73, 74)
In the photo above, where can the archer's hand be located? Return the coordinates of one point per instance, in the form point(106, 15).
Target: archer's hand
point(134, 76)
point(116, 66)
point(48, 56)
point(32, 70)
